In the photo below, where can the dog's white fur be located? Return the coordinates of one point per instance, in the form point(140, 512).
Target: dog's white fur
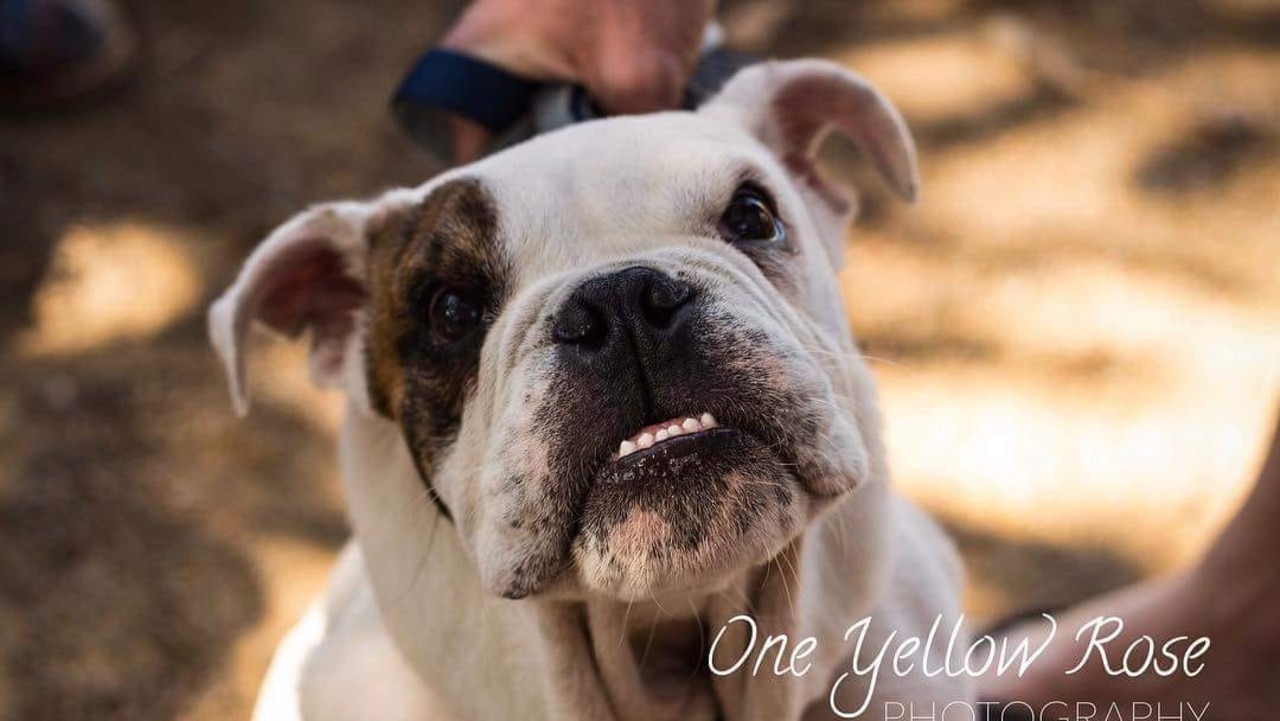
point(410, 627)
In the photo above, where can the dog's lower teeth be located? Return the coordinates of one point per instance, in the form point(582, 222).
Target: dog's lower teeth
point(676, 427)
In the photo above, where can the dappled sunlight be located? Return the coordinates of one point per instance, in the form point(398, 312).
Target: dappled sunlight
point(125, 280)
point(937, 76)
point(1152, 484)
point(1060, 175)
point(1077, 332)
point(1071, 175)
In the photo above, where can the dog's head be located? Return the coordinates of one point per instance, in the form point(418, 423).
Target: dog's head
point(616, 353)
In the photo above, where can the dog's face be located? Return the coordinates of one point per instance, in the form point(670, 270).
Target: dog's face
point(616, 353)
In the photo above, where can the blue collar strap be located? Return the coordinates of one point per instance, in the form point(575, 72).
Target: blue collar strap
point(447, 82)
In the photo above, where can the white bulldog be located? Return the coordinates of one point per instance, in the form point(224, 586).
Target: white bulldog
point(603, 400)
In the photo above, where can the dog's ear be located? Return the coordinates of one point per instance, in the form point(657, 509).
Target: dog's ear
point(307, 276)
point(791, 106)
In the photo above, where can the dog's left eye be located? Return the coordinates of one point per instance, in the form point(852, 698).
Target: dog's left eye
point(750, 218)
point(453, 315)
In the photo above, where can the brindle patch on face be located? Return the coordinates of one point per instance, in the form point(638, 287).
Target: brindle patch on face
point(448, 240)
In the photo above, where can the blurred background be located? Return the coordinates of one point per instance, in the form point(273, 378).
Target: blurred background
point(1077, 330)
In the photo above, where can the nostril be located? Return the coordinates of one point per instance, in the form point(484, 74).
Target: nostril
point(635, 300)
point(577, 323)
point(669, 294)
point(664, 298)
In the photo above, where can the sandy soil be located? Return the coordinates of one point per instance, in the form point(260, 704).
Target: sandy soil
point(1077, 330)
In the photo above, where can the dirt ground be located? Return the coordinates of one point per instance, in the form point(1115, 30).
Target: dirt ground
point(1077, 329)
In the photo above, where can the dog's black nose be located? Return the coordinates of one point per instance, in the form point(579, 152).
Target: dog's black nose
point(644, 302)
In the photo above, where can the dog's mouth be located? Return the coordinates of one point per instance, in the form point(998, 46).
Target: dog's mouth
point(661, 454)
point(679, 503)
point(688, 428)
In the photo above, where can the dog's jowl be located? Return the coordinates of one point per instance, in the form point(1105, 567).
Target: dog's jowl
point(603, 399)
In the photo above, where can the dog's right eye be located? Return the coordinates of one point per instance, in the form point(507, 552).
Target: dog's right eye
point(453, 315)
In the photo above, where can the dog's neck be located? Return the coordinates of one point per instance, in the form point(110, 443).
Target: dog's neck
point(648, 659)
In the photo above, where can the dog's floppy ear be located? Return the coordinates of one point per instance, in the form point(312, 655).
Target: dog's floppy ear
point(305, 277)
point(790, 106)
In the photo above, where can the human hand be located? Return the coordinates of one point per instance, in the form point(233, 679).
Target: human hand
point(633, 57)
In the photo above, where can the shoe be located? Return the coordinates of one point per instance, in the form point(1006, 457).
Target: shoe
point(54, 52)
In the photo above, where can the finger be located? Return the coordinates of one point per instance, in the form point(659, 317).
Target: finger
point(502, 34)
point(640, 83)
point(470, 140)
